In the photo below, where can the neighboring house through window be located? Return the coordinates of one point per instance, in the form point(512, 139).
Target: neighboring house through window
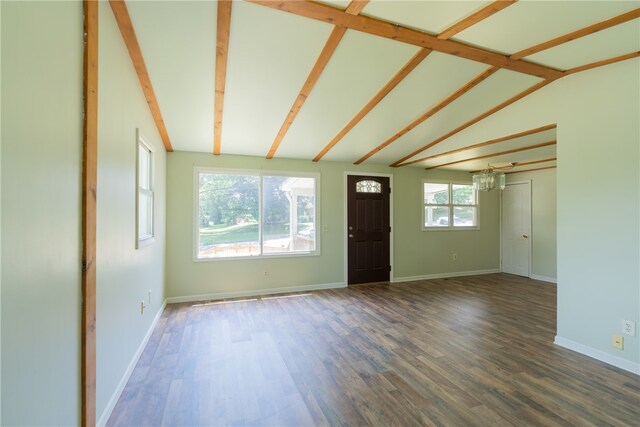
point(255, 213)
point(448, 205)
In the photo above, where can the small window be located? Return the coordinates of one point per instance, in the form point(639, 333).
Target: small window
point(368, 186)
point(145, 192)
point(244, 214)
point(449, 205)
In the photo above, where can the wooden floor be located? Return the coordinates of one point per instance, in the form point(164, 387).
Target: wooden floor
point(455, 352)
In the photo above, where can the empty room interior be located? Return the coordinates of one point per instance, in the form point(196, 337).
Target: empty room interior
point(365, 212)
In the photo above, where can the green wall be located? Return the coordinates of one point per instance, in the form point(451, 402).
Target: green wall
point(599, 207)
point(41, 182)
point(124, 274)
point(598, 262)
point(543, 222)
point(416, 253)
point(41, 170)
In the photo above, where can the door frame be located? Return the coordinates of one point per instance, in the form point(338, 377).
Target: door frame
point(529, 183)
point(346, 220)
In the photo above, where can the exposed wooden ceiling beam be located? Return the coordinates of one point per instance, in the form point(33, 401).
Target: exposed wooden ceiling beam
point(354, 8)
point(403, 161)
point(474, 18)
point(404, 72)
point(223, 28)
point(500, 153)
point(430, 112)
point(386, 29)
point(88, 214)
point(617, 20)
point(520, 164)
point(489, 142)
point(131, 41)
point(531, 170)
point(395, 80)
point(602, 63)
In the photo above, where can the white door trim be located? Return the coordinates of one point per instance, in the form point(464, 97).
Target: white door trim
point(527, 182)
point(346, 220)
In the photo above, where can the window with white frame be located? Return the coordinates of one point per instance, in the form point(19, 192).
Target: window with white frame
point(145, 192)
point(254, 213)
point(449, 205)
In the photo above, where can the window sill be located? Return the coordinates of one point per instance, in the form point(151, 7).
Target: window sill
point(450, 228)
point(261, 256)
point(146, 242)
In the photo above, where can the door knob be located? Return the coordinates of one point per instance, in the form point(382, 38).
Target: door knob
point(350, 235)
point(525, 236)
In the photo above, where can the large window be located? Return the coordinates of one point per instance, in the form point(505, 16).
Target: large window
point(247, 213)
point(449, 205)
point(144, 220)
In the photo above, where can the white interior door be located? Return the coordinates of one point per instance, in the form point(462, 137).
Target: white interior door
point(516, 228)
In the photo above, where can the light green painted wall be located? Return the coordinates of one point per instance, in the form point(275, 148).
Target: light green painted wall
point(416, 253)
point(41, 169)
point(124, 274)
point(599, 218)
point(598, 262)
point(0, 218)
point(543, 221)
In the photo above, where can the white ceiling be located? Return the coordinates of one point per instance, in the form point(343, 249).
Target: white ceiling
point(272, 52)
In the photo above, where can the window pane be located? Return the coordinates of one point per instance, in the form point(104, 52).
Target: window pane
point(436, 216)
point(145, 215)
point(288, 214)
point(144, 167)
point(463, 194)
point(465, 216)
point(368, 186)
point(228, 215)
point(436, 194)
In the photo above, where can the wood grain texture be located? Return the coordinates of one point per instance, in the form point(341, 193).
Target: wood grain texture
point(403, 161)
point(603, 62)
point(223, 28)
point(499, 153)
point(390, 30)
point(325, 55)
point(591, 29)
point(489, 142)
point(89, 195)
point(391, 84)
point(131, 41)
point(476, 17)
point(431, 111)
point(453, 352)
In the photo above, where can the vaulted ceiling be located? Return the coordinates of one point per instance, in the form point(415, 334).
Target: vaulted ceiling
point(381, 82)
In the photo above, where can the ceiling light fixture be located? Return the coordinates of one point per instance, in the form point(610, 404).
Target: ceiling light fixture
point(489, 179)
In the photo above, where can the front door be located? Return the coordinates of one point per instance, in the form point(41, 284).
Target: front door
point(368, 229)
point(516, 228)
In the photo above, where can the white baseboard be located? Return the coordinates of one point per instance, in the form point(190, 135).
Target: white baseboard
point(254, 292)
point(544, 278)
point(102, 421)
point(600, 355)
point(444, 275)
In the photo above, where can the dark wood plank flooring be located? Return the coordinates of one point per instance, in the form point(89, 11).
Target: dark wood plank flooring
point(468, 351)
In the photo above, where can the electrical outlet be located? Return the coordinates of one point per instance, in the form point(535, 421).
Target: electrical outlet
point(265, 274)
point(455, 257)
point(142, 307)
point(618, 342)
point(325, 228)
point(629, 327)
point(149, 296)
